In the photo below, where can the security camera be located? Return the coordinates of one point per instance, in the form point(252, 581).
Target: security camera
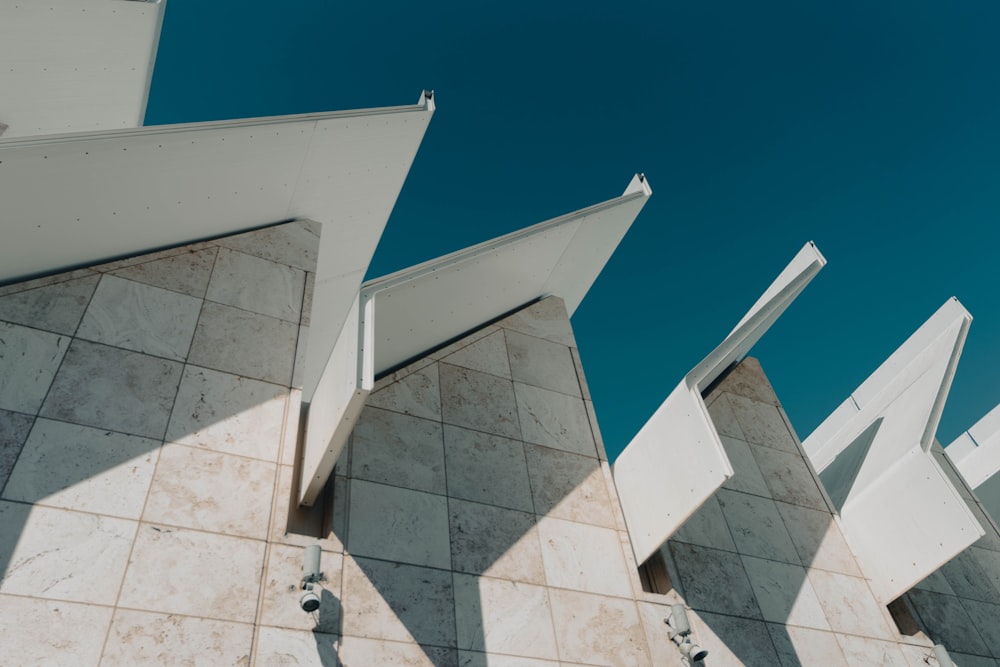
point(309, 601)
point(310, 575)
point(692, 651)
point(680, 634)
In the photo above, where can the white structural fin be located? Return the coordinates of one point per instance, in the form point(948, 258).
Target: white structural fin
point(76, 65)
point(403, 315)
point(676, 461)
point(901, 514)
point(976, 455)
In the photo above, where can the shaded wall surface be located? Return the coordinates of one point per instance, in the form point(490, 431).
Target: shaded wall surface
point(149, 420)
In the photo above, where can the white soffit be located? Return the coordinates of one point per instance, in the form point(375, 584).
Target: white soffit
point(76, 65)
point(976, 455)
point(900, 512)
point(676, 461)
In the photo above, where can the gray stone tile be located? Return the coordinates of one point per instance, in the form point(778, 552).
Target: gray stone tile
point(294, 243)
point(554, 420)
point(257, 285)
point(580, 376)
point(467, 339)
point(762, 424)
point(143, 318)
point(398, 602)
point(714, 580)
point(14, 429)
point(393, 448)
point(144, 638)
point(803, 647)
point(788, 478)
point(486, 355)
point(478, 401)
point(193, 573)
point(29, 359)
point(734, 642)
point(503, 616)
point(784, 593)
point(968, 579)
point(25, 285)
point(988, 561)
point(748, 380)
point(280, 647)
point(723, 417)
point(494, 541)
point(757, 527)
point(228, 413)
point(868, 651)
point(301, 348)
point(398, 524)
point(56, 308)
point(63, 555)
point(116, 389)
point(283, 589)
point(360, 651)
point(818, 539)
point(417, 393)
point(542, 363)
point(145, 258)
point(936, 583)
point(582, 557)
point(748, 477)
point(986, 618)
point(596, 629)
point(487, 469)
point(52, 633)
point(187, 272)
point(707, 528)
point(595, 429)
point(307, 298)
point(568, 486)
point(236, 341)
point(82, 468)
point(546, 319)
point(849, 605)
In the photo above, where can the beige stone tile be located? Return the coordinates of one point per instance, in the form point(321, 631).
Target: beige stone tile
point(398, 449)
point(554, 420)
point(144, 638)
point(818, 539)
point(568, 486)
point(279, 647)
point(360, 651)
point(487, 469)
point(244, 343)
point(788, 478)
point(478, 401)
point(29, 359)
point(596, 629)
point(849, 605)
point(546, 319)
point(398, 524)
point(58, 307)
point(784, 593)
point(398, 602)
point(283, 590)
point(583, 557)
point(663, 652)
point(257, 285)
point(14, 429)
point(714, 580)
point(723, 416)
point(293, 243)
point(762, 424)
point(542, 363)
point(707, 528)
point(486, 355)
point(748, 477)
point(187, 273)
point(178, 571)
point(228, 413)
point(417, 393)
point(63, 555)
point(801, 647)
point(868, 651)
point(756, 526)
point(495, 541)
point(142, 318)
point(45, 281)
point(83, 468)
point(748, 380)
point(116, 389)
point(205, 490)
point(50, 633)
point(478, 659)
point(501, 616)
point(733, 642)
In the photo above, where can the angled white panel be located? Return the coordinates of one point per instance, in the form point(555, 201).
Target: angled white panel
point(901, 514)
point(75, 65)
point(976, 455)
point(676, 461)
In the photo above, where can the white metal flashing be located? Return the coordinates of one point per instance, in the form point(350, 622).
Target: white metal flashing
point(900, 512)
point(676, 461)
point(976, 455)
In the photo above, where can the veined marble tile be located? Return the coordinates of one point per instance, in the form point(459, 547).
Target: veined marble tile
point(257, 285)
point(723, 416)
point(495, 541)
point(63, 555)
point(542, 363)
point(144, 638)
point(282, 591)
point(206, 490)
point(417, 393)
point(486, 355)
point(596, 629)
point(762, 424)
point(52, 633)
point(568, 486)
point(228, 413)
point(734, 642)
point(56, 308)
point(177, 571)
point(293, 243)
point(187, 272)
point(399, 525)
point(361, 651)
point(748, 477)
point(478, 401)
point(583, 557)
point(143, 318)
point(849, 605)
point(714, 580)
point(554, 420)
point(82, 468)
point(757, 527)
point(394, 448)
point(479, 659)
point(798, 647)
point(244, 343)
point(111, 388)
point(29, 359)
point(546, 319)
point(398, 602)
point(784, 593)
point(818, 540)
point(280, 647)
point(503, 616)
point(487, 469)
point(14, 429)
point(867, 651)
point(788, 478)
point(707, 527)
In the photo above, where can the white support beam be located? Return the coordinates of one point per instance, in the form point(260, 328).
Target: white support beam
point(976, 455)
point(676, 461)
point(899, 511)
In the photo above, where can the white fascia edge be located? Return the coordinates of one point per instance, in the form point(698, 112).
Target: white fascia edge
point(976, 453)
point(657, 473)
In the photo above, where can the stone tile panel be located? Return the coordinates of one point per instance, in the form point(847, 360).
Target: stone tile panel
point(186, 273)
point(714, 580)
point(486, 355)
point(757, 527)
point(417, 393)
point(57, 308)
point(583, 558)
point(51, 633)
point(487, 469)
point(503, 616)
point(397, 449)
point(495, 541)
point(568, 486)
point(257, 285)
point(554, 420)
point(143, 638)
point(478, 401)
point(596, 629)
point(29, 359)
point(542, 363)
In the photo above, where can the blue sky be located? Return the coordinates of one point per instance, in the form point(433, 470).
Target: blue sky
point(870, 128)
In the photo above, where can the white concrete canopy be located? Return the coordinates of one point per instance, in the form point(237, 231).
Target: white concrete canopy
point(976, 455)
point(413, 311)
point(900, 512)
point(676, 461)
point(76, 65)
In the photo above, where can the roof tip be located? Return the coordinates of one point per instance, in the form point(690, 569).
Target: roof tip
point(819, 255)
point(638, 184)
point(427, 100)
